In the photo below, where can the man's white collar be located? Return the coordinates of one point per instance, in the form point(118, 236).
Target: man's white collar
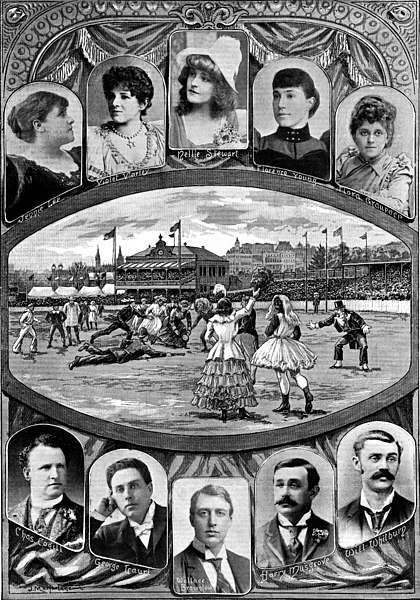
point(302, 522)
point(46, 503)
point(208, 554)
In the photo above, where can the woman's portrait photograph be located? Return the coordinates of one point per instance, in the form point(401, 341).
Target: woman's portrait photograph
point(291, 112)
point(126, 117)
point(375, 146)
point(208, 90)
point(43, 130)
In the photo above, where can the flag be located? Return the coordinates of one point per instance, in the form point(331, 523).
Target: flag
point(31, 277)
point(338, 231)
point(49, 278)
point(110, 235)
point(175, 227)
point(364, 236)
point(305, 235)
point(325, 231)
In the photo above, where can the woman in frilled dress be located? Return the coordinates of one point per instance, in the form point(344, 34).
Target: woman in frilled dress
point(284, 353)
point(45, 170)
point(368, 167)
point(205, 116)
point(127, 142)
point(226, 381)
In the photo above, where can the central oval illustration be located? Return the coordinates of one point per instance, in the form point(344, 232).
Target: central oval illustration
point(233, 311)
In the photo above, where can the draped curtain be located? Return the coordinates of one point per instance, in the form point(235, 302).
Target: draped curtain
point(348, 61)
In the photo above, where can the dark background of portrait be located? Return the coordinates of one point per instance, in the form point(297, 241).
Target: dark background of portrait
point(323, 504)
point(16, 146)
point(17, 486)
point(98, 488)
point(98, 112)
point(204, 39)
point(263, 116)
point(238, 538)
point(348, 479)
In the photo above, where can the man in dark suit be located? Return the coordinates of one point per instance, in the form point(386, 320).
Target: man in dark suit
point(140, 538)
point(354, 330)
point(47, 510)
point(296, 533)
point(379, 508)
point(206, 566)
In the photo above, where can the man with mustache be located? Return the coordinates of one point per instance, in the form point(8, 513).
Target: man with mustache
point(206, 566)
point(379, 508)
point(141, 538)
point(47, 510)
point(296, 533)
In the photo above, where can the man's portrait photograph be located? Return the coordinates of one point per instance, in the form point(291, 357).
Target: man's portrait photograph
point(291, 116)
point(376, 481)
point(211, 536)
point(128, 519)
point(45, 484)
point(294, 509)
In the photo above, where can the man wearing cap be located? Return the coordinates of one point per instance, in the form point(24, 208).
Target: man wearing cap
point(354, 330)
point(204, 311)
point(26, 323)
point(120, 321)
point(379, 507)
point(140, 538)
point(56, 317)
point(72, 311)
point(296, 533)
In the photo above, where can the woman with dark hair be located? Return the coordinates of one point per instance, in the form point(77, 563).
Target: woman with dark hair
point(45, 170)
point(226, 381)
point(368, 167)
point(284, 353)
point(205, 116)
point(127, 142)
point(295, 101)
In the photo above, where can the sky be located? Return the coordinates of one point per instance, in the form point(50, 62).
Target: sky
point(211, 216)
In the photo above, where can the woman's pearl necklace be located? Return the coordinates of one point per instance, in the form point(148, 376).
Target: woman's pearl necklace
point(128, 138)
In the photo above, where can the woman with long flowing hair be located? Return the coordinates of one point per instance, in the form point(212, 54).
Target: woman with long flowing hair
point(284, 353)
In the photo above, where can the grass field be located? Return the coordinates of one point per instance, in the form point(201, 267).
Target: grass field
point(155, 394)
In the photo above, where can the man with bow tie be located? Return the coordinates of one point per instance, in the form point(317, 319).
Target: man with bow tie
point(141, 538)
point(206, 566)
point(47, 510)
point(296, 533)
point(379, 508)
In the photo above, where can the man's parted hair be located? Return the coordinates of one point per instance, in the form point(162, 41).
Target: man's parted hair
point(313, 475)
point(210, 490)
point(376, 434)
point(45, 439)
point(128, 463)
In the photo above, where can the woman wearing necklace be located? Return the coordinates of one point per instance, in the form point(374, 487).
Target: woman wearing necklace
point(126, 143)
point(44, 170)
point(205, 116)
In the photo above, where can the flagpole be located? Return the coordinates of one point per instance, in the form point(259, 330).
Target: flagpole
point(367, 259)
point(326, 270)
point(342, 262)
point(114, 262)
point(179, 258)
point(306, 271)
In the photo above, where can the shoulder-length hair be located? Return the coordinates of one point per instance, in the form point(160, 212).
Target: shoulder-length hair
point(374, 109)
point(289, 314)
point(36, 107)
point(223, 100)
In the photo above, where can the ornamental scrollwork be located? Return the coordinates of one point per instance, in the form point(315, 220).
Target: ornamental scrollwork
point(211, 15)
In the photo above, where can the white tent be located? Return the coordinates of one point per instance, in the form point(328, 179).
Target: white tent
point(109, 290)
point(42, 292)
point(90, 291)
point(66, 291)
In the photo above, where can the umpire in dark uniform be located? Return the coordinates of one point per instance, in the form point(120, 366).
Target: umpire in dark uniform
point(354, 329)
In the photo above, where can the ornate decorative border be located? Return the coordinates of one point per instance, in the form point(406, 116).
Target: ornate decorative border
point(28, 27)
